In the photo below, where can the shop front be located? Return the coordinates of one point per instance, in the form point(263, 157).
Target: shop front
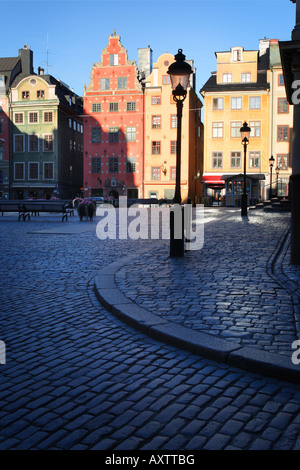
point(234, 187)
point(213, 189)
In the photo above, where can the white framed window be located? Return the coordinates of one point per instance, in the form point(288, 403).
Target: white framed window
point(246, 77)
point(33, 117)
point(236, 55)
point(217, 104)
point(255, 128)
point(48, 143)
point(217, 160)
point(255, 102)
point(236, 102)
point(235, 159)
point(254, 159)
point(235, 129)
point(48, 116)
point(226, 78)
point(19, 118)
point(33, 170)
point(19, 173)
point(48, 171)
point(217, 129)
point(19, 143)
point(33, 143)
point(113, 59)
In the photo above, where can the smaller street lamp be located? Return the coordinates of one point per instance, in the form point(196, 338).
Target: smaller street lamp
point(277, 169)
point(271, 161)
point(245, 134)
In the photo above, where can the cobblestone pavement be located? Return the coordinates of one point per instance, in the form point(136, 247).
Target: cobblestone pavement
point(77, 378)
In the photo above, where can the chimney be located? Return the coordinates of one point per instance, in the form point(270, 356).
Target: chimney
point(26, 55)
point(41, 71)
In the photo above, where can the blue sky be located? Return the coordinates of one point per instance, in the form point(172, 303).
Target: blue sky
point(74, 31)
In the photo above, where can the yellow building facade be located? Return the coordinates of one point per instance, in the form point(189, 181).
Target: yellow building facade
point(160, 137)
point(238, 92)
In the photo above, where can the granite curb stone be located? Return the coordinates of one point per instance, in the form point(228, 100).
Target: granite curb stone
point(197, 342)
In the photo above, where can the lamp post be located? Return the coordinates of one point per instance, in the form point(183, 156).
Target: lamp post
point(271, 161)
point(179, 72)
point(277, 176)
point(245, 134)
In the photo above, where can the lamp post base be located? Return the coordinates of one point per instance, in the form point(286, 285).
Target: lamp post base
point(177, 233)
point(244, 204)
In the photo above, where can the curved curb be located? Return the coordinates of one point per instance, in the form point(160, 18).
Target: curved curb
point(204, 344)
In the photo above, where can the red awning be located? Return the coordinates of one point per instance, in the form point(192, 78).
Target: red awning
point(212, 179)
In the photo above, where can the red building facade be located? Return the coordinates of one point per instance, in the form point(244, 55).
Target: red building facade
point(113, 126)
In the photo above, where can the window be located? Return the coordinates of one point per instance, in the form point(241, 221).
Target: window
point(25, 95)
point(48, 143)
point(246, 77)
point(173, 173)
point(155, 147)
point(1, 152)
point(33, 143)
point(19, 142)
point(19, 171)
point(217, 104)
point(282, 133)
point(131, 165)
point(173, 149)
point(113, 165)
point(217, 129)
point(280, 79)
point(19, 118)
point(48, 171)
point(113, 59)
point(33, 171)
point(217, 159)
point(173, 121)
point(156, 100)
point(236, 103)
point(254, 159)
point(255, 128)
point(96, 134)
point(122, 83)
point(33, 118)
point(104, 84)
point(166, 79)
point(96, 107)
point(226, 78)
point(70, 123)
point(155, 173)
point(113, 134)
point(235, 160)
point(1, 126)
point(282, 162)
point(113, 107)
point(48, 116)
point(131, 134)
point(156, 122)
point(235, 129)
point(254, 102)
point(283, 105)
point(236, 55)
point(96, 165)
point(131, 106)
point(40, 94)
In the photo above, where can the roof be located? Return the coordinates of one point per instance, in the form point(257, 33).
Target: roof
point(212, 86)
point(8, 63)
point(254, 176)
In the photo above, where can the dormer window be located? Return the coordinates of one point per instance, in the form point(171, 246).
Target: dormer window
point(236, 55)
point(113, 59)
point(227, 78)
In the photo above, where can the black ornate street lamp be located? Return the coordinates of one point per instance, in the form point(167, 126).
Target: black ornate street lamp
point(245, 134)
point(179, 72)
point(271, 161)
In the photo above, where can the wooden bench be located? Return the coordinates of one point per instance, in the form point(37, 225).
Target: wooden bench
point(25, 208)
